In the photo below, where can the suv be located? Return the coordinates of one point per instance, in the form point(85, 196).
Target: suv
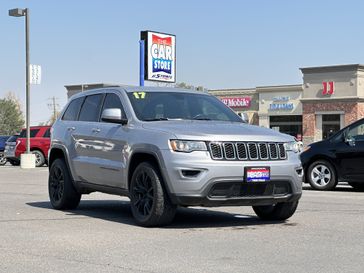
point(39, 145)
point(338, 158)
point(165, 147)
point(3, 139)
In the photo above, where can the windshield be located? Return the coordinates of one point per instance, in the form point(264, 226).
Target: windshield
point(151, 106)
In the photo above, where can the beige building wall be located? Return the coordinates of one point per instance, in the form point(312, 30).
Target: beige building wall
point(282, 100)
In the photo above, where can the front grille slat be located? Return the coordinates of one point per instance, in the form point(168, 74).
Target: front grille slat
point(252, 151)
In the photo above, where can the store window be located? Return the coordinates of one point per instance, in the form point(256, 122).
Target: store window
point(291, 125)
point(330, 125)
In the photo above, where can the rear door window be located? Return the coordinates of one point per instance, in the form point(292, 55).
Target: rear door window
point(90, 110)
point(73, 109)
point(33, 133)
point(47, 133)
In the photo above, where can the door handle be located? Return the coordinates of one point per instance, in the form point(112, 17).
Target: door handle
point(71, 128)
point(96, 130)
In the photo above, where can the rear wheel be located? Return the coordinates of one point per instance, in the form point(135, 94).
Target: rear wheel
point(277, 212)
point(62, 193)
point(39, 158)
point(2, 159)
point(357, 186)
point(321, 175)
point(150, 204)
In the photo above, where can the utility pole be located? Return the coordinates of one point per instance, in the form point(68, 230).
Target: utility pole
point(54, 106)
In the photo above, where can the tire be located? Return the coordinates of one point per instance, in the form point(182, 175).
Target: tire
point(39, 158)
point(277, 212)
point(3, 159)
point(321, 175)
point(14, 162)
point(357, 186)
point(150, 204)
point(62, 192)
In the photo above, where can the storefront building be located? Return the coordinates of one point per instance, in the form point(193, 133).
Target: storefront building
point(330, 98)
point(241, 101)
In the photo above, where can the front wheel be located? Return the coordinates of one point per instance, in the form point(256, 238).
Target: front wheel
point(321, 175)
point(62, 193)
point(277, 212)
point(150, 204)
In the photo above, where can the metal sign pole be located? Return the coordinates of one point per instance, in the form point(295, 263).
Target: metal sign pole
point(141, 63)
point(27, 78)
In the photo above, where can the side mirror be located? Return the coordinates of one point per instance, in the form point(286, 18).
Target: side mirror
point(113, 115)
point(350, 140)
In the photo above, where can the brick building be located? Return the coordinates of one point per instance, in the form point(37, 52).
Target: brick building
point(330, 98)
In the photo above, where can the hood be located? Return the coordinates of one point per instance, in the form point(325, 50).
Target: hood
point(217, 131)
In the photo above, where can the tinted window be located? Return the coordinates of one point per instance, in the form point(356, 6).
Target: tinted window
point(357, 132)
point(179, 105)
point(91, 108)
point(47, 133)
point(113, 101)
point(12, 139)
point(73, 109)
point(33, 133)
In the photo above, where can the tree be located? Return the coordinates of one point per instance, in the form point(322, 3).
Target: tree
point(188, 86)
point(11, 117)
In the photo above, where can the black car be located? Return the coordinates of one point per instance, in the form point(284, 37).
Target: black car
point(338, 158)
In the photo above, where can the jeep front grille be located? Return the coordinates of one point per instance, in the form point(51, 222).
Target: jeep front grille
point(247, 151)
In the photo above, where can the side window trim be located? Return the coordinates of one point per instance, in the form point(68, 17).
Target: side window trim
point(83, 102)
point(79, 110)
point(111, 91)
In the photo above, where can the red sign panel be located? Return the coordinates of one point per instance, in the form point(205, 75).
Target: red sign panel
point(240, 102)
point(328, 88)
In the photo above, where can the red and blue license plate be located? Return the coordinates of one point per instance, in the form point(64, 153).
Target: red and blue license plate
point(257, 174)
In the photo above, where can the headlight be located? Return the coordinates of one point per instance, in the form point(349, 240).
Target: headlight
point(188, 146)
point(292, 146)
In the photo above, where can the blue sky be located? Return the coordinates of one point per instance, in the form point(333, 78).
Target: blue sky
point(220, 44)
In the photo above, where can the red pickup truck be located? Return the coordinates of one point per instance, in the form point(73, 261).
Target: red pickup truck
point(39, 145)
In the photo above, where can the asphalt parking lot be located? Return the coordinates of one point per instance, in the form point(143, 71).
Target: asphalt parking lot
point(325, 235)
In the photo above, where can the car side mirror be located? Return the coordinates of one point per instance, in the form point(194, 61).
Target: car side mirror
point(350, 141)
point(113, 115)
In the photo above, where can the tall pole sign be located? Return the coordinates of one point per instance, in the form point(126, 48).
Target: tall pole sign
point(159, 56)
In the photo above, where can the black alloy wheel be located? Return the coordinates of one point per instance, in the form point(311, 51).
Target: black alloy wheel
point(56, 183)
point(62, 192)
point(150, 204)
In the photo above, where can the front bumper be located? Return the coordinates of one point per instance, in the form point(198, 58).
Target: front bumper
point(191, 179)
point(205, 201)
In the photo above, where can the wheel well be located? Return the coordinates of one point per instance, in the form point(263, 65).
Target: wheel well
point(54, 154)
point(139, 158)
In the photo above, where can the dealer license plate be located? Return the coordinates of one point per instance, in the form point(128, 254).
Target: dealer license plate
point(257, 174)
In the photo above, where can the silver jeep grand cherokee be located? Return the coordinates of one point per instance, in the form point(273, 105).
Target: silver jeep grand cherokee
point(168, 147)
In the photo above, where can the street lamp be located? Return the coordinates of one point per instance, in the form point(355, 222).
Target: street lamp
point(29, 160)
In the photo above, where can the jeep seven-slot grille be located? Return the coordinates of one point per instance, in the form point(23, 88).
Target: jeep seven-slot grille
point(247, 151)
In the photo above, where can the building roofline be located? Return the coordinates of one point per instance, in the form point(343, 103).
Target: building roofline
point(283, 88)
point(332, 68)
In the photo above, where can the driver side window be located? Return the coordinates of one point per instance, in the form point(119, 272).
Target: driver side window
point(357, 132)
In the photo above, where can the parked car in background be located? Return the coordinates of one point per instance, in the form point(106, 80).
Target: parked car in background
point(3, 139)
point(39, 145)
point(9, 150)
point(338, 158)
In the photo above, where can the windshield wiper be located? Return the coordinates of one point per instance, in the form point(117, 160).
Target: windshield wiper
point(155, 119)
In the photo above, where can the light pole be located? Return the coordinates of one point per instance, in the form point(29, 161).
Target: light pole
point(19, 13)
